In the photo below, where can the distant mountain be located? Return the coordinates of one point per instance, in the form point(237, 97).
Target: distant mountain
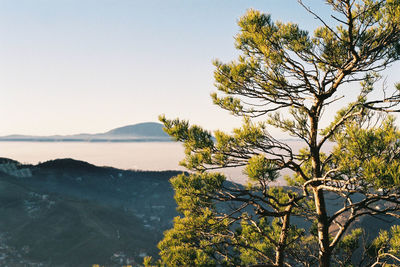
point(141, 132)
point(148, 129)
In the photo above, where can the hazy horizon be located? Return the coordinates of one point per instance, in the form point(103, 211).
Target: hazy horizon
point(98, 132)
point(151, 156)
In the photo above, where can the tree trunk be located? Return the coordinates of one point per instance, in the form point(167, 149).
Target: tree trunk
point(280, 253)
point(323, 229)
point(324, 256)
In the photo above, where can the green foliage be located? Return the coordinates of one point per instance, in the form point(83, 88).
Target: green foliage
point(350, 242)
point(260, 168)
point(207, 237)
point(259, 246)
point(376, 165)
point(347, 246)
point(196, 190)
point(184, 245)
point(147, 261)
point(384, 250)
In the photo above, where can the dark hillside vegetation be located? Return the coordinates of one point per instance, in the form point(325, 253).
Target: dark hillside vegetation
point(72, 213)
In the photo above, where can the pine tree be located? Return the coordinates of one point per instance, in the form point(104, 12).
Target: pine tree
point(286, 78)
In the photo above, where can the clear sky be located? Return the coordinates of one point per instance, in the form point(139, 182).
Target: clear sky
point(72, 66)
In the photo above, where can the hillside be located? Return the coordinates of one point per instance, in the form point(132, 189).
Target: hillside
point(72, 213)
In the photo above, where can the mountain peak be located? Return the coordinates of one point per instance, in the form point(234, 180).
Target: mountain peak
point(148, 129)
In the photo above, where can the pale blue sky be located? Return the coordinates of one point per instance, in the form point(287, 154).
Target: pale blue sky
point(71, 66)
